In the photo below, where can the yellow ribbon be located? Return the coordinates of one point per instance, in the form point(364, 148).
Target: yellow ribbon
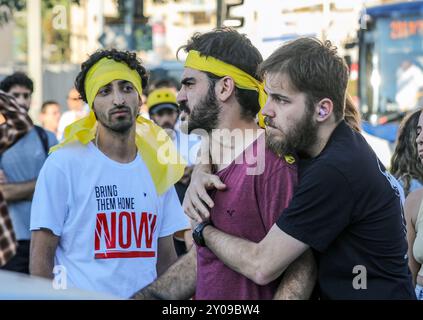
point(164, 163)
point(221, 69)
point(289, 159)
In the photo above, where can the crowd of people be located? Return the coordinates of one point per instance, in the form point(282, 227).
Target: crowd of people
point(249, 180)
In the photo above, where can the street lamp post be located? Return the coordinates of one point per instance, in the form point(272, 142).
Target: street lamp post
point(129, 23)
point(35, 62)
point(219, 13)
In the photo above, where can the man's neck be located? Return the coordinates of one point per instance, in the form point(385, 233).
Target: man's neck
point(323, 137)
point(118, 147)
point(230, 139)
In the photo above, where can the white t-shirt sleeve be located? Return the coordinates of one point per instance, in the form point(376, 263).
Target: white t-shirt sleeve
point(66, 119)
point(174, 218)
point(49, 204)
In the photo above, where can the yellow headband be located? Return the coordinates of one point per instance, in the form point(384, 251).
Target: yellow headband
point(164, 163)
point(221, 69)
point(105, 71)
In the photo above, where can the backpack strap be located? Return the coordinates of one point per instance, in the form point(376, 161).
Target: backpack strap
point(42, 134)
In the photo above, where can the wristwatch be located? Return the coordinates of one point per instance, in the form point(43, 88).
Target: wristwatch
point(197, 233)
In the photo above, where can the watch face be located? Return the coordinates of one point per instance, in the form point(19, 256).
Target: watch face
point(198, 227)
point(197, 234)
point(195, 238)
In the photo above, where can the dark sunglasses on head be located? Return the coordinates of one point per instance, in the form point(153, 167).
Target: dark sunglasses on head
point(25, 95)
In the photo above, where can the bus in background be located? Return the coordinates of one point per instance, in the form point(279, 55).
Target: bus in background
point(390, 70)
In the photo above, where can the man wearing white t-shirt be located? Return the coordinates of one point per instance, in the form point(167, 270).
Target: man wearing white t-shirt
point(104, 207)
point(77, 109)
point(409, 83)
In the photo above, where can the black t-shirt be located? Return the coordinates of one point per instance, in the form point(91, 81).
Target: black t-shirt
point(347, 207)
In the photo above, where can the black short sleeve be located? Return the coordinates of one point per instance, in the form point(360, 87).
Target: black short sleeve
point(321, 208)
point(347, 207)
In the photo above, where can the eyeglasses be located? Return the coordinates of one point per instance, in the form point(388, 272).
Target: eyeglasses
point(25, 95)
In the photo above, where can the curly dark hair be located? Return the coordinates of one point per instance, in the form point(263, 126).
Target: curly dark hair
point(232, 47)
point(17, 79)
point(130, 58)
point(405, 163)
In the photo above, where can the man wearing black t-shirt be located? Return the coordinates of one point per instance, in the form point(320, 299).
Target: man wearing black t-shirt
point(347, 207)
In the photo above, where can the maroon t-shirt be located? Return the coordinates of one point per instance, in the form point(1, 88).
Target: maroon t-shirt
point(248, 208)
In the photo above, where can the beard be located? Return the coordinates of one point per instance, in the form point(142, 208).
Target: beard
point(204, 115)
point(122, 124)
point(167, 125)
point(298, 139)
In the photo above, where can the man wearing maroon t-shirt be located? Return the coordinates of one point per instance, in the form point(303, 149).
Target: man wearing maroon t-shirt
point(259, 179)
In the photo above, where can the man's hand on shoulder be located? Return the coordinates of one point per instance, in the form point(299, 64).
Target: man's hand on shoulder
point(197, 202)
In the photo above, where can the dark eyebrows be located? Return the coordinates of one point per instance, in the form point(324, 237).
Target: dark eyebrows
point(187, 80)
point(124, 82)
point(279, 96)
point(106, 86)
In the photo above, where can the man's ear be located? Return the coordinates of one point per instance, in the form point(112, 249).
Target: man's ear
point(225, 88)
point(324, 109)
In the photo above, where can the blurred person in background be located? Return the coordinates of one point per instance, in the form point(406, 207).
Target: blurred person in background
point(14, 123)
point(406, 164)
point(20, 86)
point(20, 165)
point(50, 116)
point(409, 83)
point(168, 83)
point(173, 85)
point(77, 109)
point(414, 210)
point(164, 111)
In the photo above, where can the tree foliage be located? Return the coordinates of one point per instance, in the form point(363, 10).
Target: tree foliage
point(55, 41)
point(18, 5)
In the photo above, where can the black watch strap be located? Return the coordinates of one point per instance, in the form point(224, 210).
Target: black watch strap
point(197, 233)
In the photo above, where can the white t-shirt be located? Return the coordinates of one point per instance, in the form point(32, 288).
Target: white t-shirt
point(108, 216)
point(409, 82)
point(69, 117)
